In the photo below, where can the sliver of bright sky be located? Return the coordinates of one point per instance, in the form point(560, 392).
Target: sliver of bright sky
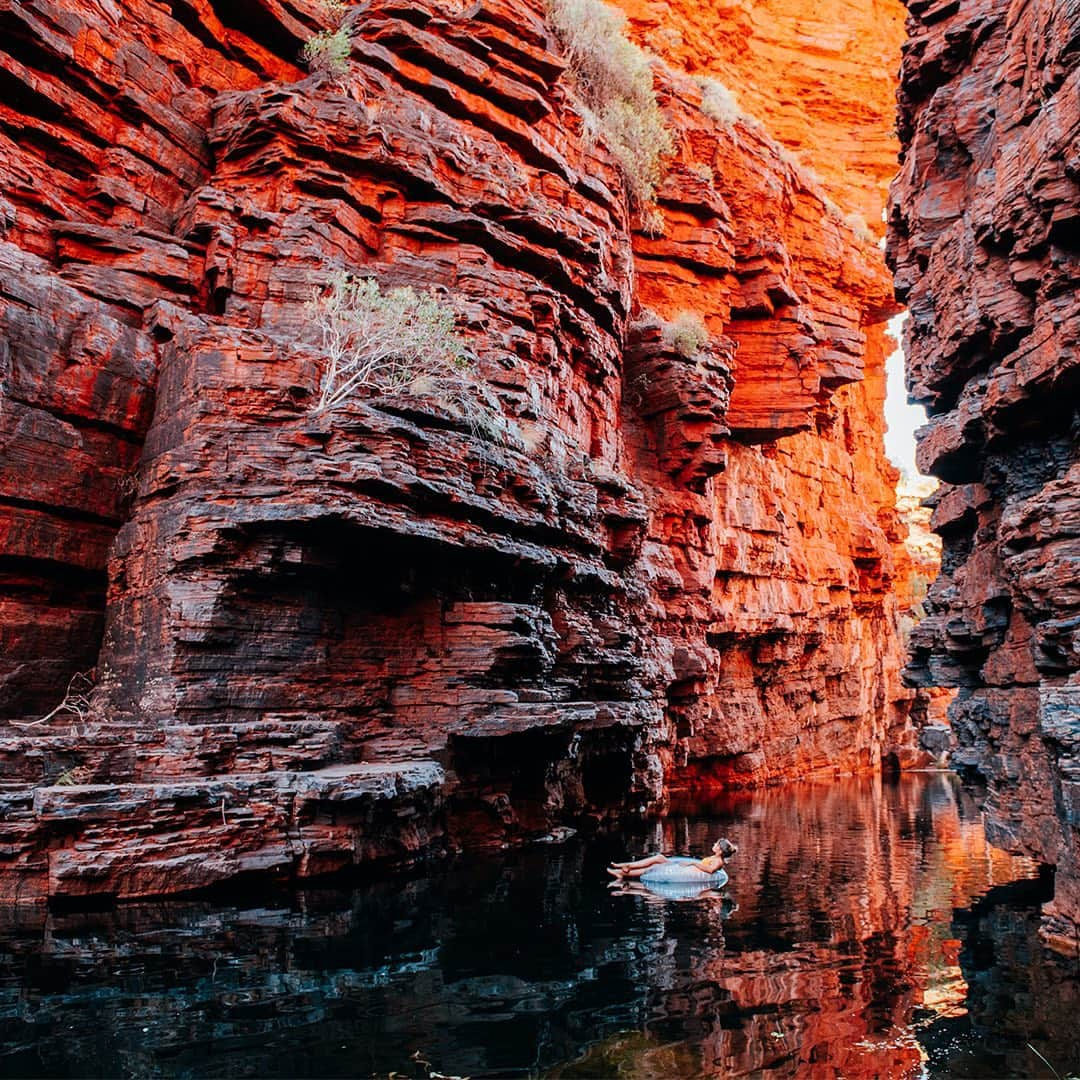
point(901, 418)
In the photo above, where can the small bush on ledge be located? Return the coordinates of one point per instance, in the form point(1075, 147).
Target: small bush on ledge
point(687, 334)
point(614, 80)
point(718, 102)
point(385, 341)
point(398, 342)
point(857, 224)
point(327, 53)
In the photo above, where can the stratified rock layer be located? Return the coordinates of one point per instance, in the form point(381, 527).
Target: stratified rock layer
point(821, 76)
point(929, 711)
point(324, 639)
point(983, 239)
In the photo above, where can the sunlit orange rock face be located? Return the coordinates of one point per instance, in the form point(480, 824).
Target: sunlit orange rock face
point(821, 76)
point(805, 284)
point(327, 639)
point(982, 238)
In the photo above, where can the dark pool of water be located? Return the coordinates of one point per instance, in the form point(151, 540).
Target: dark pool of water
point(867, 930)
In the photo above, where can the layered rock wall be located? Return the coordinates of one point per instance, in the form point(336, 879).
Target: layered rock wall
point(930, 706)
point(326, 638)
point(821, 77)
point(983, 239)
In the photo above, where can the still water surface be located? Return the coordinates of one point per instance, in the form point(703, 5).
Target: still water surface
point(867, 930)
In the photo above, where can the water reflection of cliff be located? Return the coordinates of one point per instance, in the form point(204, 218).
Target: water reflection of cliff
point(843, 937)
point(843, 956)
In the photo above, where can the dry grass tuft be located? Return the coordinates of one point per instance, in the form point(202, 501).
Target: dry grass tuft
point(718, 102)
point(687, 334)
point(614, 80)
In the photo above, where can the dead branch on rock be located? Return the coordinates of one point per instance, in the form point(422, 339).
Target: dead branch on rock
point(76, 701)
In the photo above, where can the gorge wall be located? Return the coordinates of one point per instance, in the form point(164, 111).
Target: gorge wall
point(323, 639)
point(821, 77)
point(983, 234)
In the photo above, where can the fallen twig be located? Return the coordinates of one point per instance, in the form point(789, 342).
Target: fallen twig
point(76, 700)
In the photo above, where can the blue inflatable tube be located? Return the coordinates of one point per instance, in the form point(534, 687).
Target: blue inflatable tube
point(681, 871)
point(674, 890)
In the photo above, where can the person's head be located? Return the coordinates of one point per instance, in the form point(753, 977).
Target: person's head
point(724, 848)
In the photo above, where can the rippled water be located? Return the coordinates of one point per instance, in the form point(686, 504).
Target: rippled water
point(867, 930)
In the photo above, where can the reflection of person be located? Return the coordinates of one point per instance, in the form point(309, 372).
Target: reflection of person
point(722, 849)
point(703, 892)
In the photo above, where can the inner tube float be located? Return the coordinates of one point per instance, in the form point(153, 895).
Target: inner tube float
point(681, 869)
point(678, 874)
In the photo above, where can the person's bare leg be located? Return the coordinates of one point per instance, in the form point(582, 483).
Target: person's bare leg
point(641, 864)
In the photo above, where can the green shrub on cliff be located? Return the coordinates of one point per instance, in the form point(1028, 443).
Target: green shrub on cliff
point(327, 53)
point(614, 80)
point(387, 341)
point(398, 342)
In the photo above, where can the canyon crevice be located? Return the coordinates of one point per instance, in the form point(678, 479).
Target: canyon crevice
point(322, 640)
point(983, 231)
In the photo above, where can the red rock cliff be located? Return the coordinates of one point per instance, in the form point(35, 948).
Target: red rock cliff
point(322, 639)
point(983, 239)
point(821, 77)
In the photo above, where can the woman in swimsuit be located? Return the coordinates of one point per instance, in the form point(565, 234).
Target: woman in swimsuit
point(722, 849)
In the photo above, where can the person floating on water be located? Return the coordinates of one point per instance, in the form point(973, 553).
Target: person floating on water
point(662, 868)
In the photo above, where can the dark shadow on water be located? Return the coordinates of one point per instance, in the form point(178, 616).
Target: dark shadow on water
point(867, 930)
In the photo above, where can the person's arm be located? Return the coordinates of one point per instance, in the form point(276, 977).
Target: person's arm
point(709, 865)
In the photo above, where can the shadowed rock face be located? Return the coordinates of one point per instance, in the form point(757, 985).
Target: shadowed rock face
point(983, 241)
point(326, 639)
